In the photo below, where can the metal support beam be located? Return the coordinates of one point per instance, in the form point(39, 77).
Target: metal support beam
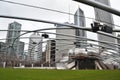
point(14, 30)
point(88, 39)
point(50, 22)
point(85, 28)
point(43, 21)
point(100, 6)
point(109, 35)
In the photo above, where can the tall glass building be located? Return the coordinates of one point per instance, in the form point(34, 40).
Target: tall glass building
point(107, 19)
point(14, 31)
point(79, 20)
point(21, 50)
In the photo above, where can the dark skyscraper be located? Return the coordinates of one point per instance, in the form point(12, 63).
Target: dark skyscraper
point(21, 49)
point(50, 52)
point(79, 20)
point(104, 16)
point(11, 35)
point(2, 47)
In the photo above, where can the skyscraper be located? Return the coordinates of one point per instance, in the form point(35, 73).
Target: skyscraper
point(2, 53)
point(2, 47)
point(21, 49)
point(118, 41)
point(11, 35)
point(63, 46)
point(35, 47)
point(79, 20)
point(65, 43)
point(50, 52)
point(104, 16)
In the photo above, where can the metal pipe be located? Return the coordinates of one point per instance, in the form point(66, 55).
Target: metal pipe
point(44, 21)
point(88, 39)
point(50, 22)
point(109, 35)
point(100, 6)
point(102, 33)
point(85, 28)
point(14, 30)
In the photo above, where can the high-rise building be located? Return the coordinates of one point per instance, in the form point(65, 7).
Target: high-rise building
point(2, 48)
point(63, 46)
point(106, 18)
point(35, 47)
point(50, 52)
point(118, 41)
point(21, 50)
point(64, 43)
point(14, 31)
point(79, 20)
point(2, 53)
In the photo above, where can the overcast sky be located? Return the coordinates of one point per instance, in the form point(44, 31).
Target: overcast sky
point(60, 5)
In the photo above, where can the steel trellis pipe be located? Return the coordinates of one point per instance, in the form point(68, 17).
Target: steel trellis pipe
point(51, 22)
point(100, 6)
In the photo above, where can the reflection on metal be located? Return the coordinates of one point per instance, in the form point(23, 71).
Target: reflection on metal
point(100, 6)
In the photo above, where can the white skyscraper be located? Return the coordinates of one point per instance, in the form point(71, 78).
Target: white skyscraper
point(63, 46)
point(35, 47)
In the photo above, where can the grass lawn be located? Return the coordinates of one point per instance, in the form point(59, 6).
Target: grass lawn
point(39, 74)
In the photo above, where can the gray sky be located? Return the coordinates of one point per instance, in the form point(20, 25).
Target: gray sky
point(60, 5)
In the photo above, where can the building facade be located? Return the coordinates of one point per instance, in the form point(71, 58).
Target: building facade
point(21, 50)
point(2, 48)
point(2, 53)
point(14, 31)
point(118, 41)
point(66, 43)
point(107, 19)
point(50, 52)
point(35, 47)
point(79, 20)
